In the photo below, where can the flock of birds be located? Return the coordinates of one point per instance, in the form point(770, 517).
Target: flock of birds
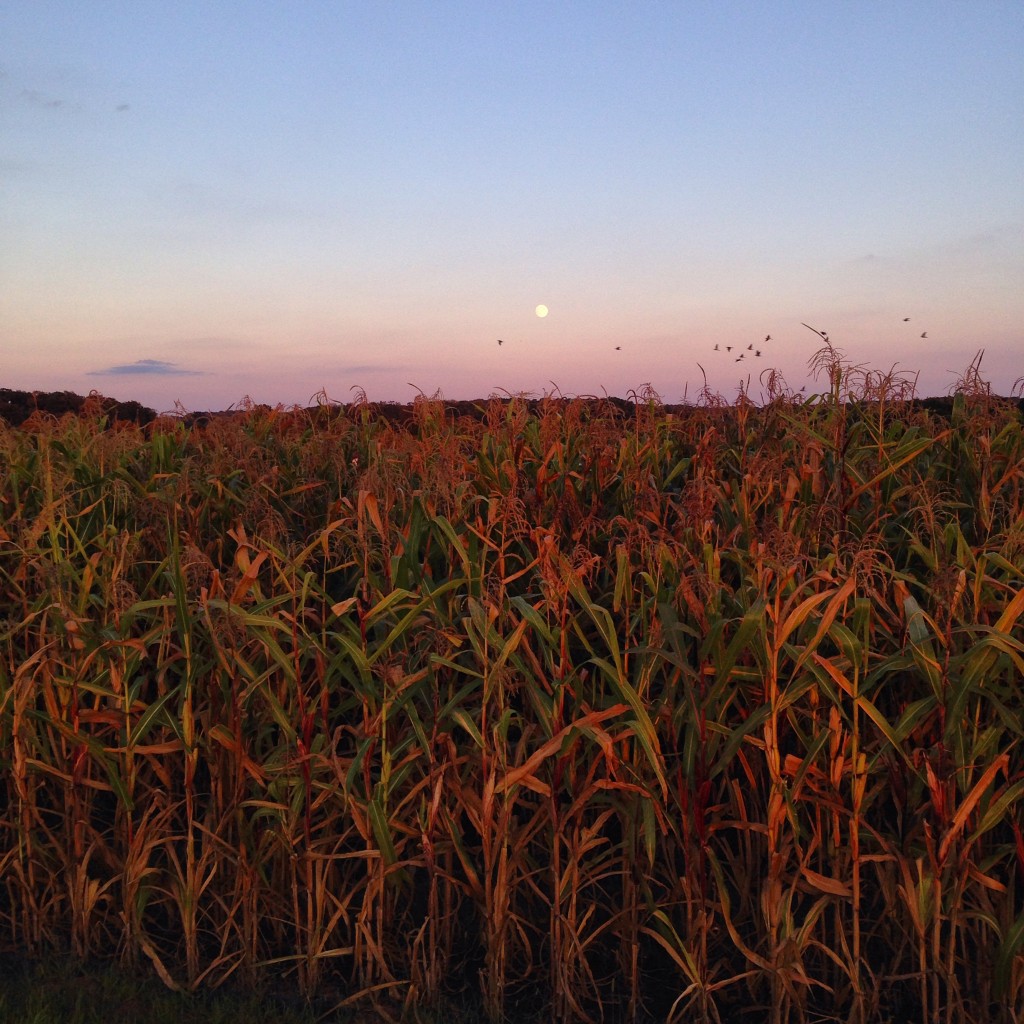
point(755, 351)
point(743, 352)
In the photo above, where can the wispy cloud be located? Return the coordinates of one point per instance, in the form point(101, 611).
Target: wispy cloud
point(146, 367)
point(17, 169)
point(366, 368)
point(203, 202)
point(36, 98)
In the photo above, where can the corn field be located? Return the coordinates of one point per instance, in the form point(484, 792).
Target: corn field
point(560, 709)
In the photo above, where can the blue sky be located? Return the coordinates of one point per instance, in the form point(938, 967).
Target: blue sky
point(201, 202)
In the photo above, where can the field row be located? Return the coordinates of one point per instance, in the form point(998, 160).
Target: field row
point(654, 714)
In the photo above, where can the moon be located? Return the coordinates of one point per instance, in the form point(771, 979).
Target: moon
point(541, 311)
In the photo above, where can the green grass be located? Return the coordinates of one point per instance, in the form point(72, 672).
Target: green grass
point(69, 992)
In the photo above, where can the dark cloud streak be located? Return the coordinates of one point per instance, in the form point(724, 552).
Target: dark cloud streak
point(146, 367)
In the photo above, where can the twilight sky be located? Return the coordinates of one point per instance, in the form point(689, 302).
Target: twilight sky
point(203, 201)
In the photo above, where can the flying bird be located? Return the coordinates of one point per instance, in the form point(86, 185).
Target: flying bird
point(906, 319)
point(728, 348)
point(716, 347)
point(767, 337)
point(758, 353)
point(500, 342)
point(740, 358)
point(750, 347)
point(618, 348)
point(924, 335)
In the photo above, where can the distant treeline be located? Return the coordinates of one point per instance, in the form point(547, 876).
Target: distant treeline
point(18, 406)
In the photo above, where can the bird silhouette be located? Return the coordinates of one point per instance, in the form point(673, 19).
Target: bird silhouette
point(906, 319)
point(750, 347)
point(758, 353)
point(500, 342)
point(728, 348)
point(618, 348)
point(716, 347)
point(767, 337)
point(924, 335)
point(740, 360)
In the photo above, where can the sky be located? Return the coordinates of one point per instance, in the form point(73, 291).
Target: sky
point(206, 202)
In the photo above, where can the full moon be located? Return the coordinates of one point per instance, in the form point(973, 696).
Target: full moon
point(541, 311)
